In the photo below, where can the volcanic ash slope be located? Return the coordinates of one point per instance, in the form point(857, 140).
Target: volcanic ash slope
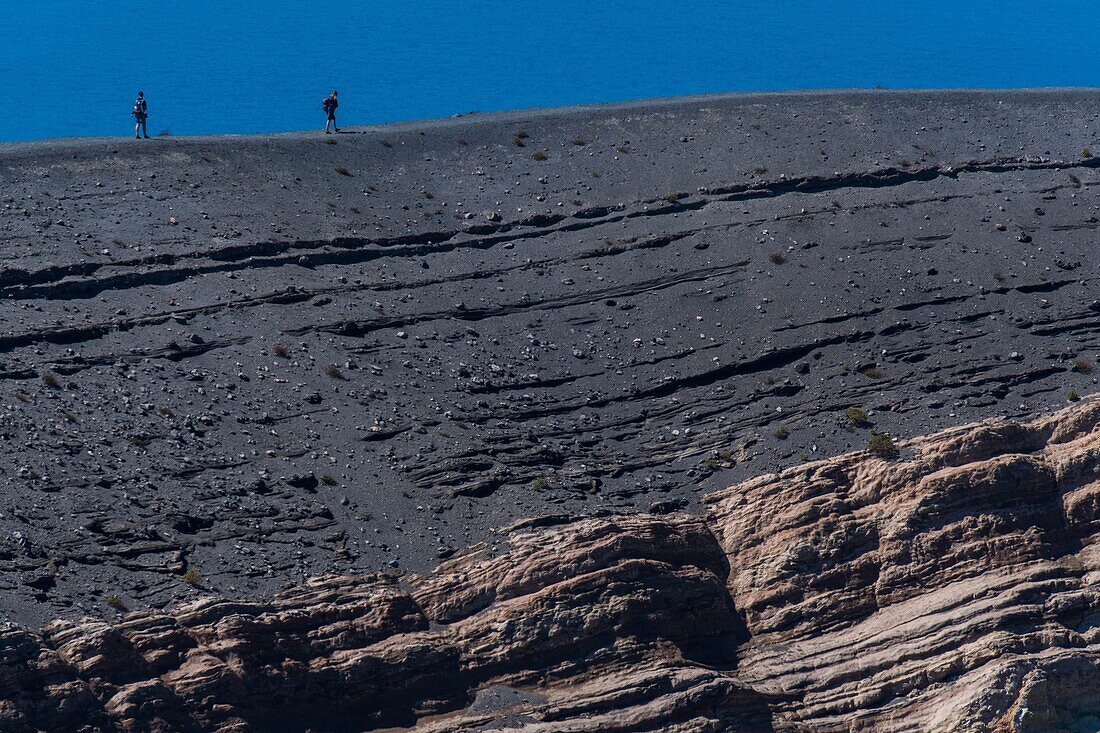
point(229, 364)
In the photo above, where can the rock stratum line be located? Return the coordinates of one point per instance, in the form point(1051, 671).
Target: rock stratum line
point(953, 589)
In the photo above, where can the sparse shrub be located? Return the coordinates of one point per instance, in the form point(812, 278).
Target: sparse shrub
point(51, 381)
point(856, 416)
point(540, 484)
point(342, 170)
point(328, 480)
point(1084, 366)
point(721, 459)
point(116, 603)
point(192, 576)
point(334, 371)
point(777, 258)
point(540, 156)
point(1072, 395)
point(781, 433)
point(871, 371)
point(883, 446)
point(280, 351)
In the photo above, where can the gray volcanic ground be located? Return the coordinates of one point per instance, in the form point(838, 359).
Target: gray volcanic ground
point(266, 358)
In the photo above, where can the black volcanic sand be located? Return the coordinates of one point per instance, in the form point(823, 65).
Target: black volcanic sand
point(265, 358)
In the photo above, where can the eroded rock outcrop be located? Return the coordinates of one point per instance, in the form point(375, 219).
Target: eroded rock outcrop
point(953, 589)
point(943, 591)
point(602, 617)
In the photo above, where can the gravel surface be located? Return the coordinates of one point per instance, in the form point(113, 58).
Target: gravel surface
point(229, 363)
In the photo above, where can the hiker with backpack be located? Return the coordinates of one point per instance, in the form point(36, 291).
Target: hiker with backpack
point(329, 105)
point(141, 114)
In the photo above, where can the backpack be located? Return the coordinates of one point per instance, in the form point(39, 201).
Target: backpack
point(326, 104)
point(139, 108)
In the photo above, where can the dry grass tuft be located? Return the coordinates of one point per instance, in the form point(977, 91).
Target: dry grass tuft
point(882, 446)
point(856, 416)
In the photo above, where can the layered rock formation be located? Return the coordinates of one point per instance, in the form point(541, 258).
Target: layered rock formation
point(955, 588)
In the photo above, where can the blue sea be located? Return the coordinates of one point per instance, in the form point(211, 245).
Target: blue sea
point(73, 67)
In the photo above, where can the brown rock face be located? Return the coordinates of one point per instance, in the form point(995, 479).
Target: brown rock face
point(953, 589)
point(944, 591)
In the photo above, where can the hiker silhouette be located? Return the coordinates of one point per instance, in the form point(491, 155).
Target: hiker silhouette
point(141, 114)
point(329, 105)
